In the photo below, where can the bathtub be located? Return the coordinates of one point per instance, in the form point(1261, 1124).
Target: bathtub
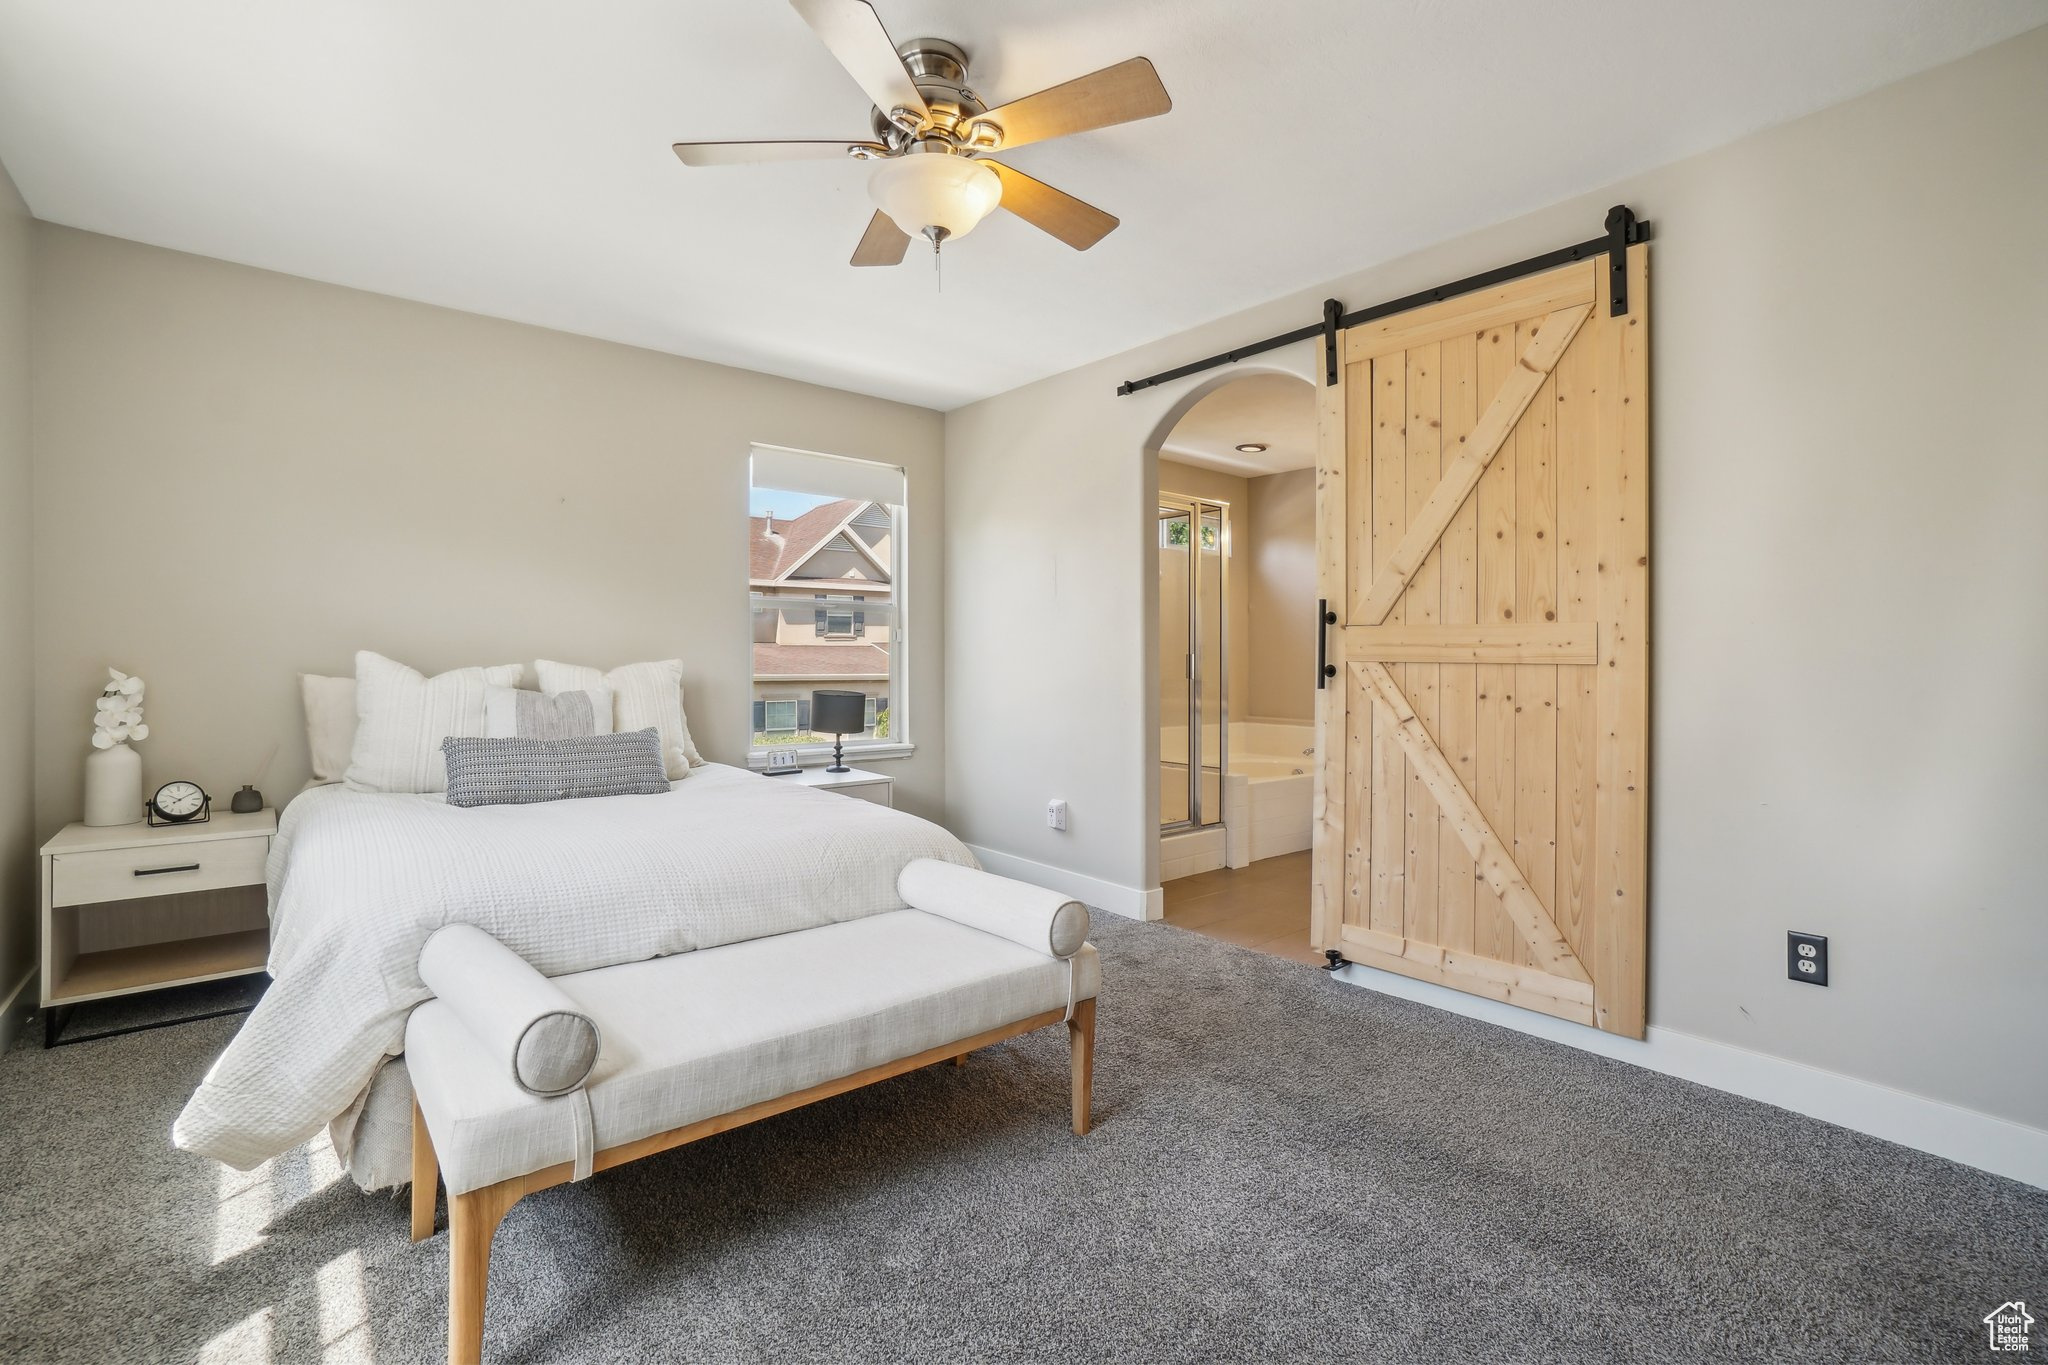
point(1269, 792)
point(1267, 796)
point(1261, 769)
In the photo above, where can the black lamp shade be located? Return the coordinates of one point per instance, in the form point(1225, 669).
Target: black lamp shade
point(839, 713)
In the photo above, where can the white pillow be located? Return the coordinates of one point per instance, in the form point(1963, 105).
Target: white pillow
point(515, 713)
point(402, 716)
point(642, 695)
point(330, 724)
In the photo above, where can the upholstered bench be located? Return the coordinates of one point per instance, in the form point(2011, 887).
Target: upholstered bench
point(522, 1082)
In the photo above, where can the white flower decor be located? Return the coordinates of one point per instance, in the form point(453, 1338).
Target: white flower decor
point(117, 717)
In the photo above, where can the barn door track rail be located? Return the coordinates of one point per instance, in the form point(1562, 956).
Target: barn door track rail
point(1624, 230)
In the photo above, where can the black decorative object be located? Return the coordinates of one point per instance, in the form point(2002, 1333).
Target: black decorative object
point(247, 801)
point(839, 714)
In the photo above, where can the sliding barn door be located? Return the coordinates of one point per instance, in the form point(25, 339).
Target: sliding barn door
point(1483, 518)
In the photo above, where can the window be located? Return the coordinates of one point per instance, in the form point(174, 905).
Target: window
point(840, 622)
point(825, 589)
point(1173, 533)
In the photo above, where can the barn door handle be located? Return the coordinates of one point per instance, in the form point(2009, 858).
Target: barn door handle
point(1325, 618)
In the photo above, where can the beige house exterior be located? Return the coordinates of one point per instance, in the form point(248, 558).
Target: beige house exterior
point(823, 592)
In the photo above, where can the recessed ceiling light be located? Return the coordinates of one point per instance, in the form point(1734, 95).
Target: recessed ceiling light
point(1252, 448)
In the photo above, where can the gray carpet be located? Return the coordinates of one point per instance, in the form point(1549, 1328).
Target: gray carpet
point(1284, 1169)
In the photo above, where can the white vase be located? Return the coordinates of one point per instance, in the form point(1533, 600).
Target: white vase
point(113, 786)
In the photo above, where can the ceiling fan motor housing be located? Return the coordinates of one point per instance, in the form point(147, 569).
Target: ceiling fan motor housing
point(939, 70)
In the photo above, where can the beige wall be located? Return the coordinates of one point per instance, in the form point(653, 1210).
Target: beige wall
point(243, 475)
point(1849, 642)
point(1281, 654)
point(17, 774)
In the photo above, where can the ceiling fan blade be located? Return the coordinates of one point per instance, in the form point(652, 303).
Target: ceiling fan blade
point(882, 244)
point(747, 153)
point(1116, 94)
point(853, 32)
point(1077, 224)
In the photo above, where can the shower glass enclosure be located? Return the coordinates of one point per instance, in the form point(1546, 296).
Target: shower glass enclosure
point(1194, 582)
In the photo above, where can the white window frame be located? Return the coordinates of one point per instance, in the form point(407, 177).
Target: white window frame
point(901, 741)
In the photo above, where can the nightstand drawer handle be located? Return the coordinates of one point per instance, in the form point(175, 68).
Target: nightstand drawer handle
point(159, 871)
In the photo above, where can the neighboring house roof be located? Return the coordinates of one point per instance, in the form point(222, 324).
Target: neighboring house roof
point(778, 547)
point(869, 662)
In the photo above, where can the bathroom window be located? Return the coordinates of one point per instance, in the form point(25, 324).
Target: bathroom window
point(1173, 533)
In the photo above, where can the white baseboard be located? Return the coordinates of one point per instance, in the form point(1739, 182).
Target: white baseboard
point(14, 1010)
point(1129, 901)
point(1976, 1139)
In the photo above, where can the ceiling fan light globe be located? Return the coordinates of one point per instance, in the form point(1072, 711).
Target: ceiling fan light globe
point(941, 191)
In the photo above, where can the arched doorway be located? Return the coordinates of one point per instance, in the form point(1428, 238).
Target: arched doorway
point(1233, 546)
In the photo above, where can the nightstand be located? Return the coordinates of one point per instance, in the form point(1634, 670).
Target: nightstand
point(130, 908)
point(856, 782)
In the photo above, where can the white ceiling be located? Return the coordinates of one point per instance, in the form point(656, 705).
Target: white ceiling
point(513, 158)
point(1277, 411)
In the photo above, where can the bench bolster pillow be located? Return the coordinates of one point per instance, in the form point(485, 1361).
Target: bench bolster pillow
point(1047, 921)
point(519, 1018)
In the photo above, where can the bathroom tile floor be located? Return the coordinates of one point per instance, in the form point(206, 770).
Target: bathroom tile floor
point(1263, 906)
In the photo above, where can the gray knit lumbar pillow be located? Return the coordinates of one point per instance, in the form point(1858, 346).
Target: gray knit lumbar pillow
point(517, 772)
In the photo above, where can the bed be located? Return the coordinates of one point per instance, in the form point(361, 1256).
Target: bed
point(358, 880)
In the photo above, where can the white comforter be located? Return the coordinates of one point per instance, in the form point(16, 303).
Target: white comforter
point(358, 881)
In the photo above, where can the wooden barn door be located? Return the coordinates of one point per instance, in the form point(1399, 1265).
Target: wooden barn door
point(1482, 519)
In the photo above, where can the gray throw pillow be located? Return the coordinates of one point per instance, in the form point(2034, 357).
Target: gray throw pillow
point(516, 713)
point(516, 772)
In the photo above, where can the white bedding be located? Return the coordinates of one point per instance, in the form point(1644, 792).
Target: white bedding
point(358, 880)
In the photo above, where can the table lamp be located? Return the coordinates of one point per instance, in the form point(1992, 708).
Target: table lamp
point(839, 714)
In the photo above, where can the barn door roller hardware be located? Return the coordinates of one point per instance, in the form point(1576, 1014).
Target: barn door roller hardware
point(1333, 318)
point(1624, 230)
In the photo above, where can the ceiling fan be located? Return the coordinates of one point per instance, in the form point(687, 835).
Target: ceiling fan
point(933, 136)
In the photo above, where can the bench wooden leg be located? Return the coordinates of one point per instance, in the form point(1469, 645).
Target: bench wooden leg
point(1081, 1038)
point(961, 1060)
point(473, 1220)
point(426, 1177)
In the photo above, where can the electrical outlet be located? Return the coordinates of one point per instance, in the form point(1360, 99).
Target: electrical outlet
point(1806, 958)
point(1056, 814)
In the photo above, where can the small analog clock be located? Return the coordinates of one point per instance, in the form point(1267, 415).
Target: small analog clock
point(179, 803)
